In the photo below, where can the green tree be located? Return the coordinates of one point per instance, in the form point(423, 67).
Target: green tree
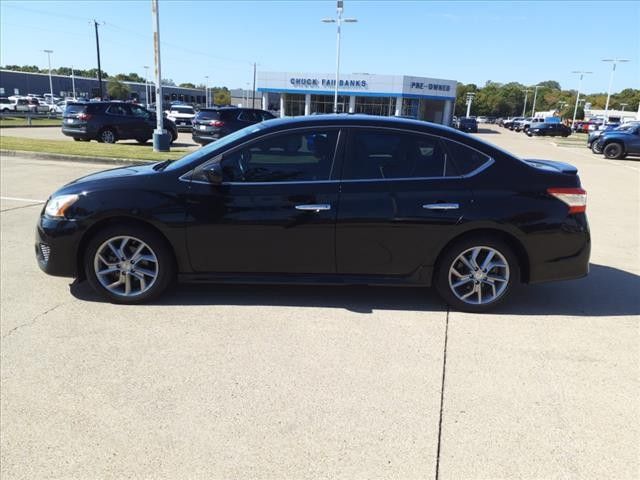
point(117, 90)
point(221, 96)
point(168, 82)
point(187, 85)
point(550, 84)
point(130, 77)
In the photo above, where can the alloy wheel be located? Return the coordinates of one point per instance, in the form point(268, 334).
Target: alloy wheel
point(125, 266)
point(479, 275)
point(108, 136)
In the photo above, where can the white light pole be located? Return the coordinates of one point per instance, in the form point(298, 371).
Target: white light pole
point(206, 91)
point(338, 20)
point(146, 85)
point(614, 61)
point(575, 110)
point(49, 52)
point(160, 137)
point(535, 96)
point(470, 96)
point(524, 108)
point(73, 83)
point(623, 105)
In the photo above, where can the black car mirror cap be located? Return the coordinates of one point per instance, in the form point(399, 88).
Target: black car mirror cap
point(213, 173)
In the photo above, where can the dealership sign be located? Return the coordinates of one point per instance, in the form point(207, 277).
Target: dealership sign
point(431, 86)
point(327, 82)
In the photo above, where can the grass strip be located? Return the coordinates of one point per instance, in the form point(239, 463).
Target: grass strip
point(89, 149)
point(22, 122)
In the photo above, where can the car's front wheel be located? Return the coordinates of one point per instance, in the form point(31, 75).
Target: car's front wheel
point(596, 147)
point(476, 274)
point(613, 151)
point(128, 264)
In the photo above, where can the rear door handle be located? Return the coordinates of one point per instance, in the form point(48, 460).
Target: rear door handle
point(441, 206)
point(314, 207)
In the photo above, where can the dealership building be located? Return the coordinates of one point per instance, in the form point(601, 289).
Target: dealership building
point(294, 93)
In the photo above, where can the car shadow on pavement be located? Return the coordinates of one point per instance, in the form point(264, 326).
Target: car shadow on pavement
point(606, 291)
point(487, 130)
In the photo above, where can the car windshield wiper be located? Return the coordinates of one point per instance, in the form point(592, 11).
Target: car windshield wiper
point(162, 165)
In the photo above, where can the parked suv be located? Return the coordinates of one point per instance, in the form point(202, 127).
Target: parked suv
point(468, 124)
point(620, 142)
point(213, 123)
point(109, 122)
point(182, 115)
point(549, 130)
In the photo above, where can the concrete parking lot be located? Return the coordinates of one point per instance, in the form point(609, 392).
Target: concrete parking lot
point(324, 382)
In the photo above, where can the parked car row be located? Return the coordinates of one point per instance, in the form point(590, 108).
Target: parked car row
point(616, 141)
point(23, 104)
point(536, 126)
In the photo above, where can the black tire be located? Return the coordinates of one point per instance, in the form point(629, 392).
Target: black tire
point(107, 135)
point(142, 141)
point(164, 267)
point(174, 136)
point(448, 259)
point(613, 151)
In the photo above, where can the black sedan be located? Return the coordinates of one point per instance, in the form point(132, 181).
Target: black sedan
point(548, 130)
point(332, 199)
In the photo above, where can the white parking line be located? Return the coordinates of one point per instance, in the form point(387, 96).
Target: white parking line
point(18, 199)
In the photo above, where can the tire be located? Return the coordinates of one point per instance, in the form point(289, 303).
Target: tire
point(142, 141)
point(464, 297)
point(595, 147)
point(146, 278)
point(107, 135)
point(174, 136)
point(613, 151)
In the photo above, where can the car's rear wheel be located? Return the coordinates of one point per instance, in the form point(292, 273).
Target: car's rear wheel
point(142, 141)
point(476, 273)
point(596, 147)
point(613, 151)
point(128, 264)
point(107, 135)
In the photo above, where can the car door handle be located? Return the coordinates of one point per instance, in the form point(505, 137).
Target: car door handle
point(441, 206)
point(314, 207)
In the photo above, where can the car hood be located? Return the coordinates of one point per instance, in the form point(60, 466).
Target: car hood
point(108, 178)
point(181, 115)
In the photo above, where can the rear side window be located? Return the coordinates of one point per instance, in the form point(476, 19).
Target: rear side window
point(465, 159)
point(208, 115)
point(117, 109)
point(249, 116)
point(378, 155)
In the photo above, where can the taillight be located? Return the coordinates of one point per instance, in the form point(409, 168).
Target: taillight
point(216, 123)
point(84, 116)
point(575, 198)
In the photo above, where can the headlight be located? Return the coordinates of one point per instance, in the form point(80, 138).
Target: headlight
point(57, 206)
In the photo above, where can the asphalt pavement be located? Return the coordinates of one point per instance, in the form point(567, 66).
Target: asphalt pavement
point(277, 382)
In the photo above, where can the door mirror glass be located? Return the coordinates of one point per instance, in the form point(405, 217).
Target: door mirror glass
point(213, 172)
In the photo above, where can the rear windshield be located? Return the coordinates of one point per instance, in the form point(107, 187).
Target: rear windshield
point(467, 120)
point(208, 115)
point(75, 109)
point(182, 109)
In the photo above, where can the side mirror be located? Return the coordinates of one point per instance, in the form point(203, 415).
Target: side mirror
point(213, 173)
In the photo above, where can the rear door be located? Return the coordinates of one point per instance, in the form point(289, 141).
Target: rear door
point(633, 143)
point(401, 195)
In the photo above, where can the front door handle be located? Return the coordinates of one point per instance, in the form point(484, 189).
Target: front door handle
point(315, 207)
point(441, 206)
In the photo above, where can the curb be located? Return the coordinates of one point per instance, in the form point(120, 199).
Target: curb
point(71, 158)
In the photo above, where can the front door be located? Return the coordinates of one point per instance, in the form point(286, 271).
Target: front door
point(400, 197)
point(275, 210)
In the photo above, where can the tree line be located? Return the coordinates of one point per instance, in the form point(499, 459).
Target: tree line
point(507, 100)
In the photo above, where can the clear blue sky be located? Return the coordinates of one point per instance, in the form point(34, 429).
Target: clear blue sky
point(466, 41)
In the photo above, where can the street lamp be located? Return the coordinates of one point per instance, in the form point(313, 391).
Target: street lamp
point(614, 61)
point(535, 96)
point(524, 108)
point(470, 96)
point(49, 52)
point(338, 20)
point(146, 85)
point(623, 105)
point(206, 91)
point(582, 73)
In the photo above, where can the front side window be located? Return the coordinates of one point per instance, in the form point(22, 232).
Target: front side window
point(378, 155)
point(300, 156)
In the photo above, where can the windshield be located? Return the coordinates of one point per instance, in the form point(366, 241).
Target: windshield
point(211, 149)
point(188, 110)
